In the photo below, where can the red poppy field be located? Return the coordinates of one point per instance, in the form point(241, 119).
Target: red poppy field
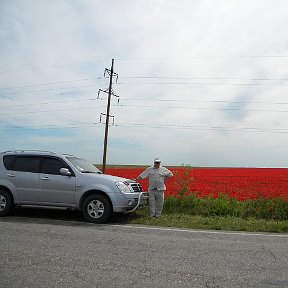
point(239, 183)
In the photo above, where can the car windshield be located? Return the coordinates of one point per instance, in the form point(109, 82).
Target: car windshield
point(83, 165)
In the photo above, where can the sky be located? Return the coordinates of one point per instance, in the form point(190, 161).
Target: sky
point(200, 82)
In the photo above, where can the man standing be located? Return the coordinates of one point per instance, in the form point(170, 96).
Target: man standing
point(157, 176)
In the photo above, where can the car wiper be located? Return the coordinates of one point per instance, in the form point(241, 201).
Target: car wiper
point(91, 172)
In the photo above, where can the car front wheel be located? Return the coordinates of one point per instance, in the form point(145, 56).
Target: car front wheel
point(6, 203)
point(97, 209)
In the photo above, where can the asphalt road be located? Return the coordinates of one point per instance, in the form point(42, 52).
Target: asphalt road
point(59, 249)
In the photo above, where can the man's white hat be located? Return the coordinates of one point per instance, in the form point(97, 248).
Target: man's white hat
point(157, 160)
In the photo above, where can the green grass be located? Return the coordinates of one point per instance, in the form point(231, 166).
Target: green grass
point(222, 213)
point(269, 209)
point(228, 223)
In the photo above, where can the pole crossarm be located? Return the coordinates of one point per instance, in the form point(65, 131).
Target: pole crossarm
point(110, 73)
point(107, 92)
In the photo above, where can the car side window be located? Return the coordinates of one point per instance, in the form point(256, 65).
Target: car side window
point(27, 164)
point(8, 161)
point(53, 166)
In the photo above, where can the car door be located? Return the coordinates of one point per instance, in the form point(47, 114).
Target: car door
point(54, 187)
point(24, 175)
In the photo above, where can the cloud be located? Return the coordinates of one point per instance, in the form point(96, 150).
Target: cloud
point(200, 82)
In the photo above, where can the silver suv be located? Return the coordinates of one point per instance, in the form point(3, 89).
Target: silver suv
point(41, 178)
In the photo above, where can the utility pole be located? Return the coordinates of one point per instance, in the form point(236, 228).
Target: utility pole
point(110, 92)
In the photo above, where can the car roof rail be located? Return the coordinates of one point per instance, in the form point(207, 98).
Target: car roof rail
point(23, 151)
point(67, 154)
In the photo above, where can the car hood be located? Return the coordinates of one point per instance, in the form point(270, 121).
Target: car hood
point(105, 177)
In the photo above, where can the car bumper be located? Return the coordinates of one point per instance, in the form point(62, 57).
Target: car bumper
point(139, 201)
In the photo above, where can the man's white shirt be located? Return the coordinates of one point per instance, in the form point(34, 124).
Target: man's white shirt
point(156, 177)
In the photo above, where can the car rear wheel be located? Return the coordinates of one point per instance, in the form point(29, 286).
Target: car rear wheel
point(6, 203)
point(97, 209)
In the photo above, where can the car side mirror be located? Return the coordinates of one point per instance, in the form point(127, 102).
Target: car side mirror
point(65, 172)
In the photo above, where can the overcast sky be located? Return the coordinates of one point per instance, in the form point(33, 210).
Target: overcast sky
point(203, 83)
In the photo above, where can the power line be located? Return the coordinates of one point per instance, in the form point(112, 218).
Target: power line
point(51, 89)
point(203, 78)
point(142, 83)
point(204, 57)
point(202, 84)
point(246, 129)
point(51, 110)
point(148, 58)
point(159, 126)
point(52, 66)
point(151, 106)
point(52, 83)
point(204, 108)
point(145, 99)
point(147, 77)
point(48, 103)
point(49, 127)
point(204, 101)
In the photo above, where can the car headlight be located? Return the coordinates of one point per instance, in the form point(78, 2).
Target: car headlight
point(123, 187)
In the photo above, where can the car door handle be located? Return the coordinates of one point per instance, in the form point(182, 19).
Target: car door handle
point(10, 175)
point(45, 178)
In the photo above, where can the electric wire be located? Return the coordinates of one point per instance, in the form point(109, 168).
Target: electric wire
point(51, 89)
point(202, 84)
point(3, 93)
point(145, 99)
point(204, 108)
point(193, 127)
point(53, 66)
point(203, 78)
point(49, 103)
point(48, 127)
point(207, 57)
point(203, 101)
point(74, 125)
point(146, 106)
point(56, 66)
point(159, 126)
point(53, 83)
point(148, 77)
point(149, 106)
point(51, 110)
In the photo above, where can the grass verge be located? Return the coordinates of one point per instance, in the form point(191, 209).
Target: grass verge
point(228, 223)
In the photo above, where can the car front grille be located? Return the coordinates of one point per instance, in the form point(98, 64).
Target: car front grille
point(136, 187)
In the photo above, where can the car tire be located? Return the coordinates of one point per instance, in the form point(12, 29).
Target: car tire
point(6, 203)
point(96, 208)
